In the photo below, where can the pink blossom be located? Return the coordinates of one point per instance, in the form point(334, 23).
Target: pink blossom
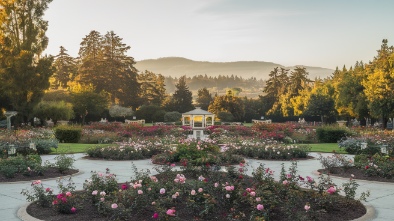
point(155, 216)
point(307, 207)
point(68, 194)
point(193, 192)
point(48, 189)
point(200, 190)
point(114, 205)
point(253, 193)
point(176, 180)
point(310, 179)
point(64, 200)
point(173, 164)
point(216, 184)
point(171, 212)
point(288, 176)
point(73, 209)
point(229, 188)
point(59, 196)
point(94, 193)
point(55, 202)
point(258, 199)
point(154, 179)
point(162, 191)
point(285, 182)
point(153, 203)
point(124, 187)
point(140, 192)
point(260, 207)
point(102, 199)
point(102, 193)
point(332, 190)
point(36, 182)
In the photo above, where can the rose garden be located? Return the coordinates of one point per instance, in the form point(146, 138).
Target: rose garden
point(198, 179)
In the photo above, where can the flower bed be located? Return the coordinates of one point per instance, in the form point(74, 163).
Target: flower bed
point(198, 193)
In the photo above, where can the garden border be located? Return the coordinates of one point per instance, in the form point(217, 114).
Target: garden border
point(53, 178)
point(24, 216)
point(315, 172)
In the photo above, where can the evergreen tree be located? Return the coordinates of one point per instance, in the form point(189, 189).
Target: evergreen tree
point(66, 68)
point(182, 99)
point(204, 98)
point(379, 85)
point(152, 88)
point(24, 73)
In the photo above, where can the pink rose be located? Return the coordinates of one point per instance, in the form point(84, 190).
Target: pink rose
point(171, 212)
point(258, 199)
point(68, 194)
point(114, 205)
point(193, 192)
point(332, 190)
point(307, 207)
point(253, 193)
point(260, 207)
point(162, 191)
point(155, 216)
point(216, 184)
point(140, 192)
point(200, 190)
point(73, 209)
point(94, 193)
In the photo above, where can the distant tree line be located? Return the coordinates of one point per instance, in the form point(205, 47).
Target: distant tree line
point(102, 82)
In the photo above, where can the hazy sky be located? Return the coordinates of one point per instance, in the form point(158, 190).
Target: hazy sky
point(320, 33)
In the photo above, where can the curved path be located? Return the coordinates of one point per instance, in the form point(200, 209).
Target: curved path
point(381, 198)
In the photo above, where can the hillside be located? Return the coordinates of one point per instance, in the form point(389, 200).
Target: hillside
point(177, 66)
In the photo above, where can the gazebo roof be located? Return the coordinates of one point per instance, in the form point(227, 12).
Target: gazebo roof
point(198, 111)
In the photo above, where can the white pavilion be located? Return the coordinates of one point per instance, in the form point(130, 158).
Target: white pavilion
point(198, 119)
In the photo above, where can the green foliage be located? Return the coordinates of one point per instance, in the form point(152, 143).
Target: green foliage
point(66, 69)
point(56, 110)
point(119, 111)
point(153, 89)
point(225, 116)
point(321, 105)
point(100, 182)
point(126, 151)
point(147, 112)
point(231, 104)
point(181, 100)
point(330, 134)
point(173, 116)
point(23, 39)
point(88, 102)
point(335, 162)
point(204, 98)
point(64, 162)
point(19, 164)
point(42, 196)
point(44, 146)
point(68, 134)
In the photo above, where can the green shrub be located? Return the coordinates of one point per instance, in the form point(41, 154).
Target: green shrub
point(64, 162)
point(329, 134)
point(68, 134)
point(44, 146)
point(173, 116)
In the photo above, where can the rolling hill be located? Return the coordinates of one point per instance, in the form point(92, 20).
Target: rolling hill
point(177, 66)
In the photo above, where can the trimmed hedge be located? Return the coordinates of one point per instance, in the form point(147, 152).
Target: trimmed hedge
point(68, 134)
point(330, 134)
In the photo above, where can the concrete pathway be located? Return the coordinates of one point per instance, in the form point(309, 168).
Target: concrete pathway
point(381, 198)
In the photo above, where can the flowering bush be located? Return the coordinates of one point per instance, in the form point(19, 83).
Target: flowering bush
point(196, 193)
point(335, 162)
point(376, 165)
point(66, 201)
point(42, 196)
point(20, 164)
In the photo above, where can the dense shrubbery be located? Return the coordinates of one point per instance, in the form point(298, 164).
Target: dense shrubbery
point(20, 164)
point(44, 146)
point(205, 194)
point(330, 134)
point(375, 165)
point(68, 134)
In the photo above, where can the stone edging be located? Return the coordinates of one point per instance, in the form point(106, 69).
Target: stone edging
point(24, 216)
point(53, 178)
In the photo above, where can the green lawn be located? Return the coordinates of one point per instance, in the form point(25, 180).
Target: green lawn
point(326, 148)
point(74, 148)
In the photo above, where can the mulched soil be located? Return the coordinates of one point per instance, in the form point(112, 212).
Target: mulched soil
point(358, 174)
point(343, 210)
point(49, 173)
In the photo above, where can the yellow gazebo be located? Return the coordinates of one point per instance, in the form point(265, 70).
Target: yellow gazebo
point(198, 119)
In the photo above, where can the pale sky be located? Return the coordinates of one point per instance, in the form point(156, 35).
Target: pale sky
point(323, 33)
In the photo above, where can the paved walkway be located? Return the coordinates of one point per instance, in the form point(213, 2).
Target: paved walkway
point(381, 198)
